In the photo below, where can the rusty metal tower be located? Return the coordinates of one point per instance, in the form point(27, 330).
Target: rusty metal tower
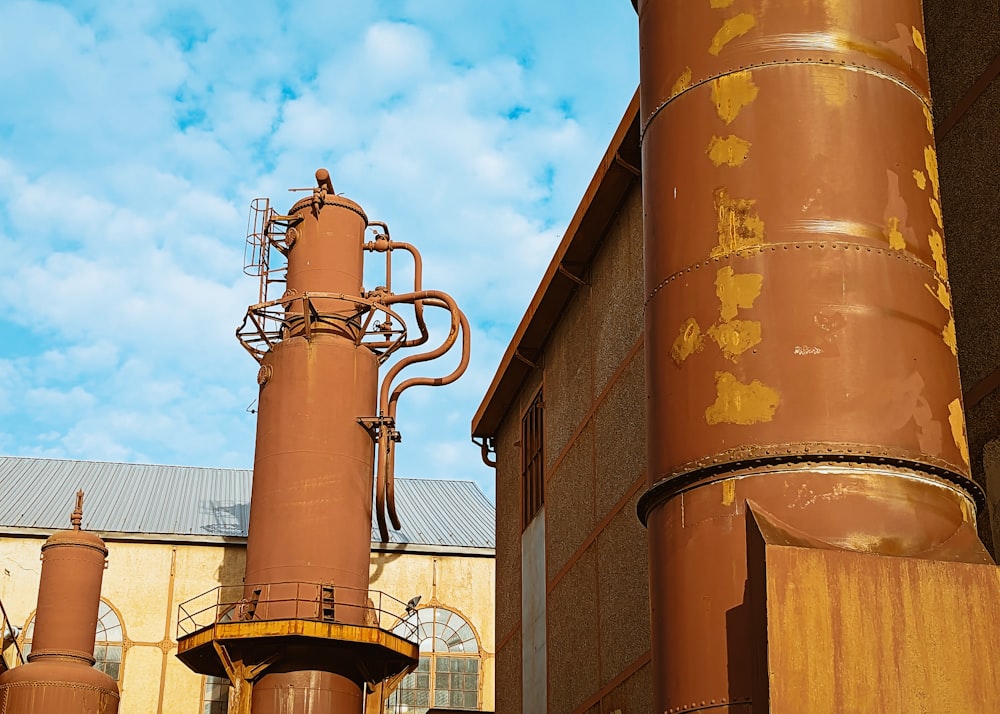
point(304, 634)
point(809, 495)
point(60, 677)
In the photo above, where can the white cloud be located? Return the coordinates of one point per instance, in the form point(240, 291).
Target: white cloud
point(134, 136)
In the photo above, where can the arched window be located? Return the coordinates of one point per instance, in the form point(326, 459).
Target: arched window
point(108, 649)
point(448, 673)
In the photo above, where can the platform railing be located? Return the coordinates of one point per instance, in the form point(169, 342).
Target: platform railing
point(318, 602)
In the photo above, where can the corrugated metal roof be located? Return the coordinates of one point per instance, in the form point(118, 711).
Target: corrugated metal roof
point(192, 501)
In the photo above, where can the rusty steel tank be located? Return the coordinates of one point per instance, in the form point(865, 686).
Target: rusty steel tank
point(322, 416)
point(800, 346)
point(59, 677)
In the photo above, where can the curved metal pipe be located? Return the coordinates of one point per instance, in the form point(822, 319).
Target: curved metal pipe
point(415, 382)
point(418, 279)
point(385, 485)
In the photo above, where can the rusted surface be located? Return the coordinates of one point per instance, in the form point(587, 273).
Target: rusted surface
point(306, 635)
point(800, 343)
point(59, 676)
point(835, 642)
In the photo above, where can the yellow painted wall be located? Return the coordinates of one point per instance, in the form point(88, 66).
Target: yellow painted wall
point(145, 582)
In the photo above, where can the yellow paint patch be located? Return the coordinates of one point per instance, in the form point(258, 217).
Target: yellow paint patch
point(920, 178)
point(682, 83)
point(731, 151)
point(731, 29)
point(689, 341)
point(831, 83)
point(896, 239)
point(956, 418)
point(948, 333)
point(735, 337)
point(721, 3)
point(728, 492)
point(739, 226)
point(936, 210)
point(937, 251)
point(918, 40)
point(930, 161)
point(929, 118)
point(941, 294)
point(738, 403)
point(732, 92)
point(736, 291)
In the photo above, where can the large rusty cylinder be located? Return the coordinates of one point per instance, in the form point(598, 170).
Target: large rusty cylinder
point(59, 676)
point(69, 596)
point(310, 519)
point(703, 649)
point(797, 294)
point(57, 687)
point(325, 252)
point(306, 691)
point(800, 343)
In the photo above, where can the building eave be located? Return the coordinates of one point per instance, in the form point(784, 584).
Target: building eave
point(615, 176)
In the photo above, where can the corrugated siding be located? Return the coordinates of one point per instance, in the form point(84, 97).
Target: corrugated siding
point(183, 500)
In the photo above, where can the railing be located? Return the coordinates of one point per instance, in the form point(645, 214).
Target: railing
point(271, 322)
point(8, 637)
point(319, 602)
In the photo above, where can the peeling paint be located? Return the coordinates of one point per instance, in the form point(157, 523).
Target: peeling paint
point(736, 291)
point(732, 92)
point(682, 83)
point(929, 119)
point(936, 243)
point(956, 418)
point(734, 337)
point(738, 403)
point(739, 226)
point(731, 29)
point(689, 341)
point(728, 492)
point(896, 239)
point(918, 40)
point(931, 163)
point(805, 350)
point(936, 210)
point(920, 178)
point(731, 151)
point(948, 333)
point(832, 84)
point(941, 294)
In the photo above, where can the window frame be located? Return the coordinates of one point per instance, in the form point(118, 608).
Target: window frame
point(433, 656)
point(532, 459)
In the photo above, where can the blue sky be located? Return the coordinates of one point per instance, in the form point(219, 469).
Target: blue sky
point(133, 136)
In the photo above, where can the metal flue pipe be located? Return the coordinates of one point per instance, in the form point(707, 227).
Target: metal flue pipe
point(800, 345)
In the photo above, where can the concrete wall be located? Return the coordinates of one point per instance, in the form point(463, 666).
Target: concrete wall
point(145, 582)
point(597, 603)
point(963, 48)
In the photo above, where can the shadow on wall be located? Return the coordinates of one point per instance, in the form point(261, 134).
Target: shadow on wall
point(226, 518)
point(380, 560)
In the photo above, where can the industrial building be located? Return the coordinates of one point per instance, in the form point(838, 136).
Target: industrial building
point(622, 327)
point(175, 532)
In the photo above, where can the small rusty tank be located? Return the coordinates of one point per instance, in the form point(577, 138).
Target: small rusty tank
point(59, 677)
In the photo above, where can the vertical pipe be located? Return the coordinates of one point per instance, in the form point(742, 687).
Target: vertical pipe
point(310, 519)
point(800, 346)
